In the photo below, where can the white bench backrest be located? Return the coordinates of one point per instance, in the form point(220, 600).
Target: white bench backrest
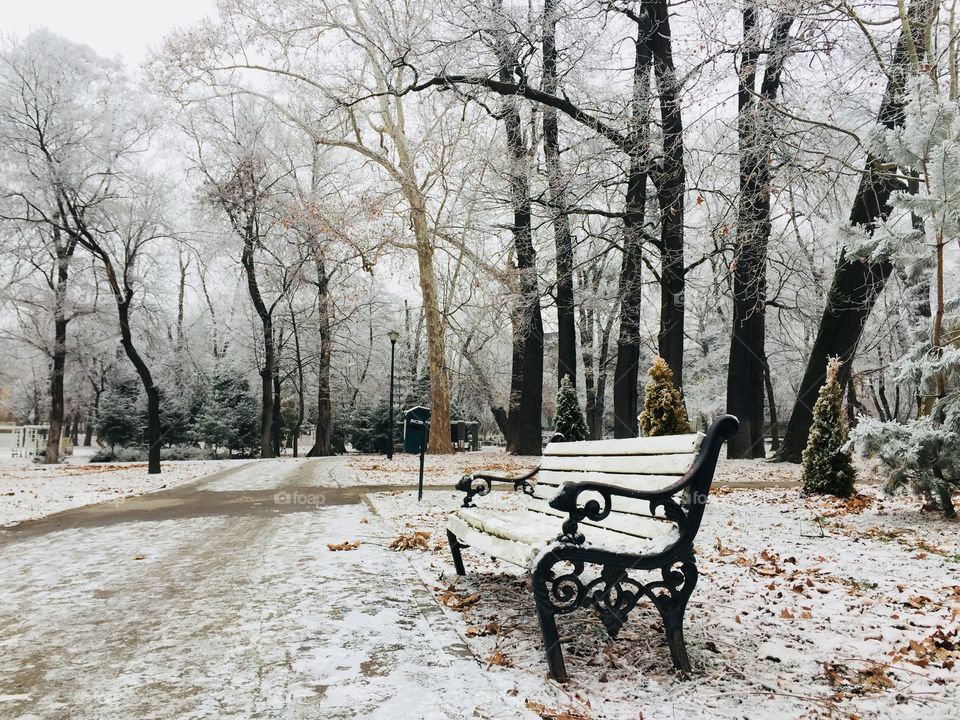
point(650, 463)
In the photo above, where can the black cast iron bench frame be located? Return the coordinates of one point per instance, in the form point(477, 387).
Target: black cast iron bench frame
point(559, 585)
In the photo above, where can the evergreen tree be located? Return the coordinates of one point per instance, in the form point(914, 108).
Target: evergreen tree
point(121, 420)
point(176, 419)
point(827, 467)
point(923, 453)
point(569, 420)
point(370, 429)
point(663, 409)
point(229, 416)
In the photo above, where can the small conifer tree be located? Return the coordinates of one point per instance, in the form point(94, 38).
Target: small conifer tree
point(120, 422)
point(827, 467)
point(569, 420)
point(663, 409)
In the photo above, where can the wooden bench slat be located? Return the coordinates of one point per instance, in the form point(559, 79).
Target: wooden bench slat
point(556, 478)
point(517, 553)
point(664, 445)
point(630, 464)
point(630, 506)
point(636, 525)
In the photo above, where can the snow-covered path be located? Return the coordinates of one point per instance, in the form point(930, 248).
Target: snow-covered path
point(222, 599)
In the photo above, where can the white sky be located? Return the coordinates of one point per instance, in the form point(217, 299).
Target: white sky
point(111, 27)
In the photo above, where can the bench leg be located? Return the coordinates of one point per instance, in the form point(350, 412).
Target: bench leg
point(678, 649)
point(671, 612)
point(672, 608)
point(455, 551)
point(551, 644)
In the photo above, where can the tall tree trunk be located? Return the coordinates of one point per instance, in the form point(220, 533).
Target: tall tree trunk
point(94, 417)
point(64, 252)
point(772, 405)
point(266, 392)
point(269, 351)
point(88, 429)
point(670, 180)
point(322, 444)
point(276, 424)
point(184, 264)
point(586, 315)
point(301, 405)
point(603, 367)
point(526, 377)
point(440, 442)
point(630, 285)
point(563, 240)
point(857, 283)
point(746, 367)
point(52, 454)
point(154, 437)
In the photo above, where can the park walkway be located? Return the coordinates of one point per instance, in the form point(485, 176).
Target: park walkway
point(221, 599)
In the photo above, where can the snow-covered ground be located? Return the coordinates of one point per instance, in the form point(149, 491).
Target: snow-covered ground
point(231, 616)
point(806, 608)
point(29, 490)
point(437, 469)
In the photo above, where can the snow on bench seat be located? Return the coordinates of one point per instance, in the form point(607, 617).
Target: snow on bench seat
point(518, 536)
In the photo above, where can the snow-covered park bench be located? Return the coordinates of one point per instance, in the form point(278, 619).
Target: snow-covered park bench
point(596, 511)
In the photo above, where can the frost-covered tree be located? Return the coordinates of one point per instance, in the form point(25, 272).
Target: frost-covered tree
point(120, 419)
point(51, 94)
point(924, 453)
point(229, 415)
point(569, 420)
point(663, 409)
point(827, 466)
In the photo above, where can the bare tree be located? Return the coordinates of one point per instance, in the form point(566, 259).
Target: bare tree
point(747, 375)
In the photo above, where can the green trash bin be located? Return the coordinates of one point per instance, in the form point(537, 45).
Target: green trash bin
point(414, 427)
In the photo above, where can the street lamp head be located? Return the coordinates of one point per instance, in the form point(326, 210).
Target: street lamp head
point(393, 335)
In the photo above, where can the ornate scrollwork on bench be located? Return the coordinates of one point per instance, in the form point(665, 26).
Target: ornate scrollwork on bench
point(568, 500)
point(481, 484)
point(613, 594)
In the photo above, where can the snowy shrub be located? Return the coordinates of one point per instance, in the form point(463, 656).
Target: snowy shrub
point(923, 454)
point(138, 453)
point(569, 420)
point(827, 466)
point(663, 409)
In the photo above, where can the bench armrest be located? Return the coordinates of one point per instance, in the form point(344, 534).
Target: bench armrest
point(482, 483)
point(567, 500)
point(687, 514)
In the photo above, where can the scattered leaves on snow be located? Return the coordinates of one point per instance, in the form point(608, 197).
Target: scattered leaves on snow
point(418, 539)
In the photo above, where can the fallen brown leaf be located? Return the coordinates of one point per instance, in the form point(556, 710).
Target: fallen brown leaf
point(498, 658)
point(555, 713)
point(336, 547)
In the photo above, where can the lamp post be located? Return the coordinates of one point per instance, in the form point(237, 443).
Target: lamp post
point(393, 335)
